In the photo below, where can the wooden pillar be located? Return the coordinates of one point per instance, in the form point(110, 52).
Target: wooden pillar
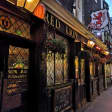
point(38, 80)
point(72, 69)
point(71, 60)
point(87, 79)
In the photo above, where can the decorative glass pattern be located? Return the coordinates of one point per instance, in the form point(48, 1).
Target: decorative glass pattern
point(18, 64)
point(59, 70)
point(62, 63)
point(14, 25)
point(50, 68)
point(57, 63)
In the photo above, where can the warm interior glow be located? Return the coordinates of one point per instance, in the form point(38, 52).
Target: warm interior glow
point(92, 43)
point(98, 48)
point(106, 53)
point(29, 5)
point(29, 0)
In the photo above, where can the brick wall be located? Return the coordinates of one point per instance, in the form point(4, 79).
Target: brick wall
point(67, 4)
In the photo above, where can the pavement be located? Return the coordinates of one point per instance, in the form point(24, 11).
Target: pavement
point(102, 103)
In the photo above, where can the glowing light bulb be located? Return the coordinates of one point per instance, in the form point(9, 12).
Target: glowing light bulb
point(106, 53)
point(29, 0)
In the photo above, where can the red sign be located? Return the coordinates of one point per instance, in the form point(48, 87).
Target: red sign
point(99, 19)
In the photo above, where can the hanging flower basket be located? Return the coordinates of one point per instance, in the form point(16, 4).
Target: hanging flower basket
point(55, 45)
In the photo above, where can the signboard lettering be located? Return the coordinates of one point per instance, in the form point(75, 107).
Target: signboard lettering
point(17, 84)
point(63, 99)
point(50, 19)
point(53, 21)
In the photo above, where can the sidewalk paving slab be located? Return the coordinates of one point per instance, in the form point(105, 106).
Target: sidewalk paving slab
point(102, 103)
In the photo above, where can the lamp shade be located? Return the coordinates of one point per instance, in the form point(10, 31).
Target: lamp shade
point(27, 4)
point(90, 44)
point(31, 5)
point(40, 11)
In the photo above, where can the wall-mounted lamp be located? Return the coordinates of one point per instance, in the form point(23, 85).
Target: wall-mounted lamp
point(27, 4)
point(90, 43)
point(98, 34)
point(106, 53)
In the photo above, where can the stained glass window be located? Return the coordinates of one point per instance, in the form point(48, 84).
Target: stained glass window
point(18, 64)
point(14, 25)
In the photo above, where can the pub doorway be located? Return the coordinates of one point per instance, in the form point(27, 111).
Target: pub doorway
point(14, 72)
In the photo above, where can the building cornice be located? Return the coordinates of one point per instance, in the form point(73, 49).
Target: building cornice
point(56, 9)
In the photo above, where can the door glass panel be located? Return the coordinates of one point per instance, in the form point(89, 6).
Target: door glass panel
point(82, 71)
point(16, 83)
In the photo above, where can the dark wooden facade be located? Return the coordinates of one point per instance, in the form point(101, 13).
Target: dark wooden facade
point(58, 80)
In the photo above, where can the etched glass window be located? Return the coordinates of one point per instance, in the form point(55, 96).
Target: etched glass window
point(50, 68)
point(57, 59)
point(61, 62)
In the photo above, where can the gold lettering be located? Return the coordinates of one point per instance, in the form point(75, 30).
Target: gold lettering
point(67, 30)
point(58, 24)
point(47, 18)
point(70, 31)
point(73, 34)
point(76, 35)
point(52, 20)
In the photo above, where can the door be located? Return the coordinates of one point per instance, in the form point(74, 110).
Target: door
point(14, 71)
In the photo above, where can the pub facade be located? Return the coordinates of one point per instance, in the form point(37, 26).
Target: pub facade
point(47, 58)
